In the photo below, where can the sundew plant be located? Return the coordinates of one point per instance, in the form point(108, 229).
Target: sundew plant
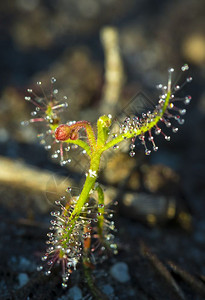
point(82, 228)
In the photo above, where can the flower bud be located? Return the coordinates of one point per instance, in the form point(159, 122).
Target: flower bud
point(65, 132)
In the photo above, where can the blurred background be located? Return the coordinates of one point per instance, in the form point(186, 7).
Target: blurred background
point(102, 53)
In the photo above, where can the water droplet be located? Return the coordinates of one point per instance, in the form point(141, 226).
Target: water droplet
point(185, 67)
point(147, 152)
point(50, 234)
point(64, 285)
point(55, 91)
point(187, 100)
point(177, 87)
point(33, 113)
point(53, 80)
point(189, 79)
point(50, 262)
point(100, 205)
point(155, 148)
point(39, 268)
point(182, 111)
point(25, 123)
point(47, 273)
point(167, 138)
point(175, 129)
point(54, 155)
point(39, 82)
point(57, 202)
point(29, 90)
point(181, 121)
point(171, 70)
point(113, 246)
point(63, 163)
point(27, 98)
point(132, 153)
point(157, 131)
point(44, 258)
point(159, 86)
point(48, 147)
point(115, 147)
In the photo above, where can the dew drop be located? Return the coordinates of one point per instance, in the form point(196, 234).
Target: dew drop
point(167, 138)
point(44, 258)
point(181, 121)
point(64, 285)
point(177, 87)
point(147, 152)
point(53, 80)
point(50, 262)
point(157, 131)
point(57, 202)
point(171, 70)
point(50, 234)
point(115, 147)
point(185, 67)
point(189, 79)
point(155, 148)
point(182, 111)
point(29, 90)
point(159, 86)
point(132, 153)
point(48, 147)
point(69, 189)
point(187, 100)
point(25, 123)
point(47, 273)
point(175, 129)
point(27, 98)
point(39, 82)
point(55, 91)
point(39, 268)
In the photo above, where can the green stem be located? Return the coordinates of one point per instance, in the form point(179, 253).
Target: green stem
point(101, 210)
point(148, 126)
point(97, 294)
point(88, 186)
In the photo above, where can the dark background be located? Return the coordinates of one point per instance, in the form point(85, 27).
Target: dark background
point(41, 39)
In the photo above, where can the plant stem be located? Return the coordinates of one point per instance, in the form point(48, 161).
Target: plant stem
point(141, 130)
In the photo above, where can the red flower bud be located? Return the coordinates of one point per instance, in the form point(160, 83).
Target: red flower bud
point(65, 132)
